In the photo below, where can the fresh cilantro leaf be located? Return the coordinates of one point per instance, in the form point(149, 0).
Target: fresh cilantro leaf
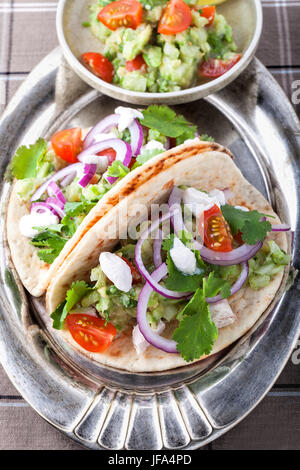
point(249, 223)
point(177, 280)
point(196, 332)
point(189, 133)
point(206, 138)
point(143, 158)
point(117, 169)
point(153, 3)
point(72, 209)
point(166, 121)
point(26, 160)
point(52, 244)
point(77, 291)
point(215, 285)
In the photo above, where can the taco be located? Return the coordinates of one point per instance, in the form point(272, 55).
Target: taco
point(63, 187)
point(192, 282)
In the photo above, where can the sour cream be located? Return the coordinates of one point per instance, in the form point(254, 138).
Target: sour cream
point(152, 145)
point(117, 270)
point(183, 258)
point(198, 201)
point(37, 219)
point(222, 314)
point(127, 116)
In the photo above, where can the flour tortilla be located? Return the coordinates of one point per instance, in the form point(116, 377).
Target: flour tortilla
point(213, 169)
point(34, 273)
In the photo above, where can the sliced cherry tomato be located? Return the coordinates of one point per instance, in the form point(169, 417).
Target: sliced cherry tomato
point(176, 18)
point(110, 153)
point(126, 13)
point(136, 277)
point(99, 65)
point(67, 144)
point(217, 235)
point(214, 68)
point(136, 64)
point(90, 332)
point(208, 13)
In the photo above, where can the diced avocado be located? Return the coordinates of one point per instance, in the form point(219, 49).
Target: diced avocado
point(97, 28)
point(153, 15)
point(73, 191)
point(25, 188)
point(177, 71)
point(198, 20)
point(134, 40)
point(170, 50)
point(152, 56)
point(134, 81)
point(113, 43)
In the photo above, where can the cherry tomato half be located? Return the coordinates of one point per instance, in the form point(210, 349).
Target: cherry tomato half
point(176, 18)
point(217, 234)
point(67, 144)
point(99, 65)
point(126, 13)
point(214, 68)
point(209, 13)
point(136, 277)
point(90, 332)
point(136, 64)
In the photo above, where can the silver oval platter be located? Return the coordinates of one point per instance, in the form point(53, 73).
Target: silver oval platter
point(104, 408)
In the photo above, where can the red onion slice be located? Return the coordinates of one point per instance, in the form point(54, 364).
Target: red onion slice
point(142, 269)
point(60, 175)
point(157, 261)
point(235, 287)
point(89, 169)
point(135, 129)
point(42, 207)
point(136, 137)
point(57, 206)
point(167, 345)
point(174, 202)
point(102, 127)
point(53, 190)
point(280, 228)
point(237, 256)
point(122, 149)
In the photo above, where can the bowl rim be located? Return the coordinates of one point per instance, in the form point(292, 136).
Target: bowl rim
point(205, 89)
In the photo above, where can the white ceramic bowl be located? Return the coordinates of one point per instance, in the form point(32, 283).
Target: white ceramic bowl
point(245, 17)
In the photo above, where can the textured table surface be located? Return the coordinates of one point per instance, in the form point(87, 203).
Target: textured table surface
point(27, 34)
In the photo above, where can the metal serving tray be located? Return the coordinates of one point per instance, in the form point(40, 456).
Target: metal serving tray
point(102, 407)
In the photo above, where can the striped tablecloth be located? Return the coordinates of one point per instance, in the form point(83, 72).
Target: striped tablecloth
point(27, 34)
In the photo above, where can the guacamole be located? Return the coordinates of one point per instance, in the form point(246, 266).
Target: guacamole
point(145, 60)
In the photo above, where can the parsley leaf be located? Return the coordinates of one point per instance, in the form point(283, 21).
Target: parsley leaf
point(196, 332)
point(249, 223)
point(167, 122)
point(77, 291)
point(26, 160)
point(117, 169)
